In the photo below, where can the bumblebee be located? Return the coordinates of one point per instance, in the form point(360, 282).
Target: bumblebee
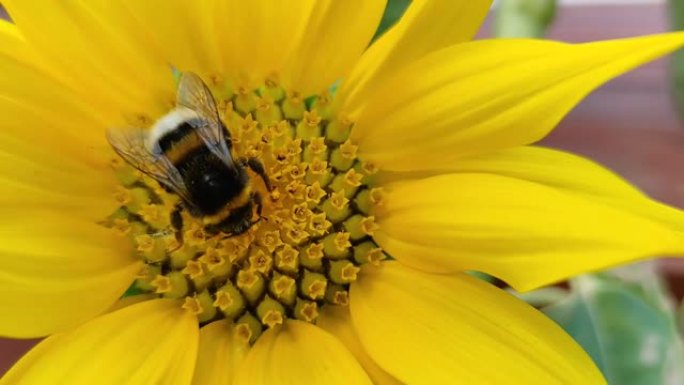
point(188, 152)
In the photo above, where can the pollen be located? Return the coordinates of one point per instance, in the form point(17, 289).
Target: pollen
point(313, 285)
point(336, 245)
point(341, 298)
point(212, 259)
point(305, 246)
point(315, 251)
point(301, 212)
point(293, 106)
point(281, 156)
point(353, 178)
point(145, 243)
point(261, 262)
point(122, 195)
point(272, 318)
point(338, 200)
point(314, 193)
point(248, 125)
point(192, 305)
point(319, 225)
point(298, 171)
point(155, 216)
point(295, 233)
point(343, 271)
point(317, 146)
point(247, 279)
point(311, 118)
point(271, 240)
point(369, 168)
point(161, 284)
point(348, 150)
point(283, 285)
point(121, 225)
point(243, 333)
point(223, 300)
point(195, 235)
point(278, 130)
point(374, 256)
point(287, 259)
point(193, 269)
point(307, 311)
point(318, 167)
point(377, 196)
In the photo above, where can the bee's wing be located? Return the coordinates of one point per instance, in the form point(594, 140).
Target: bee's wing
point(131, 145)
point(195, 95)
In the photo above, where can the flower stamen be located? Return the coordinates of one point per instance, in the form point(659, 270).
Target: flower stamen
point(313, 236)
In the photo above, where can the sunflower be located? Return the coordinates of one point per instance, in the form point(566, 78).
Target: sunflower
point(395, 167)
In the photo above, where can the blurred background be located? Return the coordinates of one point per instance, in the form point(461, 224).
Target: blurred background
point(630, 319)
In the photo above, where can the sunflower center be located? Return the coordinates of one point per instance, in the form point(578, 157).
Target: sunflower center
point(301, 253)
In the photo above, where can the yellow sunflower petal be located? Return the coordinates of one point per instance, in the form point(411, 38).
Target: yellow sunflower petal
point(183, 31)
point(245, 41)
point(13, 45)
point(11, 41)
point(260, 36)
point(522, 232)
point(483, 96)
point(47, 108)
point(57, 271)
point(54, 152)
point(438, 329)
point(336, 35)
point(299, 353)
point(46, 181)
point(154, 342)
point(425, 27)
point(572, 174)
point(219, 354)
point(336, 321)
point(131, 300)
point(96, 44)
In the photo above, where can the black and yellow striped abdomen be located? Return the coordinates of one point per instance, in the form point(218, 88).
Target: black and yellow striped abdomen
point(215, 189)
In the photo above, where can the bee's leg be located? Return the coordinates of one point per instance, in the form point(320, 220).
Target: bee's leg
point(177, 218)
point(241, 219)
point(255, 165)
point(258, 202)
point(177, 224)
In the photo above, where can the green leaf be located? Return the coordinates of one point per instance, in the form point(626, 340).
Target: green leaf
point(132, 290)
point(626, 324)
point(543, 297)
point(676, 13)
point(524, 18)
point(393, 12)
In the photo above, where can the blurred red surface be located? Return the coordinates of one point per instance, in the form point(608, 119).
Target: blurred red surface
point(628, 125)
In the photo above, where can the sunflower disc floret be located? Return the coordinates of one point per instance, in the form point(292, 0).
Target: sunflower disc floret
point(313, 236)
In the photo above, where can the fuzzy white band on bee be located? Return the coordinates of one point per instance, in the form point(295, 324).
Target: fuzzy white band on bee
point(168, 123)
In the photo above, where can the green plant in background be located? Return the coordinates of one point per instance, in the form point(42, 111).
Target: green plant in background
point(524, 18)
point(676, 13)
point(625, 320)
point(393, 11)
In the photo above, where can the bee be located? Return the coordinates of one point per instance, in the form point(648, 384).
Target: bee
point(188, 152)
